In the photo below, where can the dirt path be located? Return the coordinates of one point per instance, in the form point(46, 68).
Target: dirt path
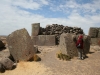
point(50, 65)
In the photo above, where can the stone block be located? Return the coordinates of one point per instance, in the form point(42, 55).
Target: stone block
point(50, 40)
point(93, 32)
point(20, 45)
point(34, 39)
point(98, 32)
point(95, 41)
point(7, 63)
point(35, 29)
point(43, 40)
point(86, 40)
point(67, 45)
point(46, 40)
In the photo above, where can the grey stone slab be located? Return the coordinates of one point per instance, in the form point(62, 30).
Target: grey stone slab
point(44, 40)
point(67, 45)
point(93, 32)
point(7, 63)
point(50, 40)
point(20, 45)
point(35, 29)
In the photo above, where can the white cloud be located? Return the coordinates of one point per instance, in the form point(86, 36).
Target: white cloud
point(26, 4)
point(13, 18)
point(44, 2)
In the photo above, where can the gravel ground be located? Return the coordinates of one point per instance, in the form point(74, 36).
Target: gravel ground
point(51, 65)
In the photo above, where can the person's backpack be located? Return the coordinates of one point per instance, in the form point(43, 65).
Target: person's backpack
point(79, 42)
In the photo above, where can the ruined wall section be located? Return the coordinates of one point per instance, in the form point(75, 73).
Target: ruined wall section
point(94, 33)
point(57, 30)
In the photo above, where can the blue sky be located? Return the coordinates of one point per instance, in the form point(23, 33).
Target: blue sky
point(17, 14)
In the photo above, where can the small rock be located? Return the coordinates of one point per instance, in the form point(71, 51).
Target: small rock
point(7, 63)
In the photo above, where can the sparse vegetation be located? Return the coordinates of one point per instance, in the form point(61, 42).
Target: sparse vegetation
point(62, 56)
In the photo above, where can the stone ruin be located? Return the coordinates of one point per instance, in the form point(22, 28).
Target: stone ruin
point(22, 47)
point(51, 32)
point(59, 35)
point(94, 33)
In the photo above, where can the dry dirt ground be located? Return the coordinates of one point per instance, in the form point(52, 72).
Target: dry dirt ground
point(51, 65)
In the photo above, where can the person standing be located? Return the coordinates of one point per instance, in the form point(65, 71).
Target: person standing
point(79, 45)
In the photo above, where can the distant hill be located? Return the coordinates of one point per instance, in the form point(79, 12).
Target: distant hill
point(3, 36)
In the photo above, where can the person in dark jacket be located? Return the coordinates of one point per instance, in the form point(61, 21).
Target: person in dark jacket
point(79, 45)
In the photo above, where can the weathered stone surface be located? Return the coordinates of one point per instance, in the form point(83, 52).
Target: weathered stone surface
point(5, 54)
point(57, 30)
point(93, 32)
point(35, 29)
point(95, 41)
point(86, 40)
point(20, 45)
point(50, 40)
point(7, 63)
point(43, 40)
point(1, 44)
point(34, 39)
point(46, 40)
point(98, 32)
point(67, 45)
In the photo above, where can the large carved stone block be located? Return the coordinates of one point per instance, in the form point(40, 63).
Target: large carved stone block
point(93, 32)
point(20, 45)
point(67, 45)
point(35, 29)
point(86, 40)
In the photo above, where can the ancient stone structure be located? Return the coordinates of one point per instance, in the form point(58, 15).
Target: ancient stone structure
point(98, 32)
point(57, 30)
point(20, 45)
point(67, 44)
point(53, 29)
point(87, 41)
point(94, 33)
point(44, 40)
point(35, 29)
